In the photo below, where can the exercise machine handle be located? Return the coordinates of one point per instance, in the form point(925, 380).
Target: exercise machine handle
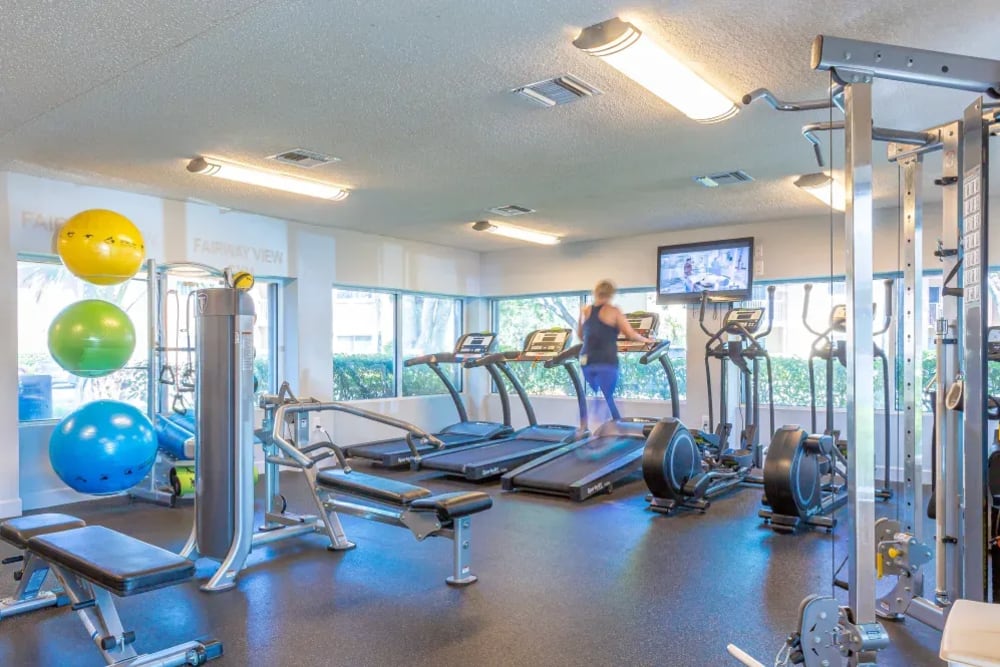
point(887, 315)
point(439, 358)
point(701, 315)
point(567, 355)
point(487, 360)
point(770, 313)
point(655, 351)
point(805, 309)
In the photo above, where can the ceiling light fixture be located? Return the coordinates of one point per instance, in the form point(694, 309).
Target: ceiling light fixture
point(266, 179)
point(519, 233)
point(825, 188)
point(624, 47)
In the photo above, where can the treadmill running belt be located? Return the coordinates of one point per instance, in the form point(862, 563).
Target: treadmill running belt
point(377, 449)
point(559, 473)
point(456, 461)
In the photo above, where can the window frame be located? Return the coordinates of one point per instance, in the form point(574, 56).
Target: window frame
point(397, 333)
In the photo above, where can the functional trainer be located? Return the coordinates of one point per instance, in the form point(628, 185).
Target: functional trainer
point(93, 565)
point(829, 345)
point(593, 465)
point(738, 341)
point(469, 348)
point(478, 461)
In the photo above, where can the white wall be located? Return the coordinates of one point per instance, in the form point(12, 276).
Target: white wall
point(32, 208)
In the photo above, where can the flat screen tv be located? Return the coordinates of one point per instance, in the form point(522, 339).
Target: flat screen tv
point(722, 268)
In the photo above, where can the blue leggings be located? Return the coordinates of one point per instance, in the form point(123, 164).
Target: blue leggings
point(604, 378)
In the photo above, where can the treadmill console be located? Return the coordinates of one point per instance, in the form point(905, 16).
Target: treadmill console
point(645, 324)
point(838, 318)
point(748, 318)
point(475, 345)
point(993, 344)
point(545, 344)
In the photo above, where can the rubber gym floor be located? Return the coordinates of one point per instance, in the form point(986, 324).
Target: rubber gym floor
point(600, 583)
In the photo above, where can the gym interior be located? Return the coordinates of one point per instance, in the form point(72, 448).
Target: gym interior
point(517, 333)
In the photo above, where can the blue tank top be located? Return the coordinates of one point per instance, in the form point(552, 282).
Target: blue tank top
point(600, 340)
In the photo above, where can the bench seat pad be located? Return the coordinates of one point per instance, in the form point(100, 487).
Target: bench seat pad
point(450, 506)
point(373, 487)
point(18, 531)
point(972, 635)
point(113, 560)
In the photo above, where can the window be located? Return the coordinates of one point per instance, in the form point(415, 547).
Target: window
point(516, 317)
point(364, 331)
point(790, 341)
point(429, 324)
point(642, 382)
point(46, 391)
point(373, 331)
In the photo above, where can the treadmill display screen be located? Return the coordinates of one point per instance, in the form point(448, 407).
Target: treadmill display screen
point(545, 344)
point(645, 324)
point(475, 345)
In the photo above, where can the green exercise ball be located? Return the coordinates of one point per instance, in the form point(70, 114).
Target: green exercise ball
point(91, 338)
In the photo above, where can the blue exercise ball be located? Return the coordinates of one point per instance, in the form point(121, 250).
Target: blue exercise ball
point(104, 447)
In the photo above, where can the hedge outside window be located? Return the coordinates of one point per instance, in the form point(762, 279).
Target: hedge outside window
point(429, 324)
point(364, 333)
point(46, 391)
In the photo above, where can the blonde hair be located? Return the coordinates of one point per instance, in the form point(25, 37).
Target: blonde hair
point(604, 289)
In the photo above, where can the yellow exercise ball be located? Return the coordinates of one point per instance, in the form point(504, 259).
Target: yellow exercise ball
point(101, 247)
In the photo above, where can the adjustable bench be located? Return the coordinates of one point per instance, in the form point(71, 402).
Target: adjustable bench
point(31, 577)
point(91, 563)
point(401, 504)
point(971, 635)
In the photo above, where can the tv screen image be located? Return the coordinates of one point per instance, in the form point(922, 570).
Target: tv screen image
point(723, 268)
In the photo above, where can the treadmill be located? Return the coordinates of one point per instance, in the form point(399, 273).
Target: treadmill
point(484, 460)
point(591, 466)
point(469, 349)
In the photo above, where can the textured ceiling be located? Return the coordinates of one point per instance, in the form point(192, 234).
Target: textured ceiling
point(413, 96)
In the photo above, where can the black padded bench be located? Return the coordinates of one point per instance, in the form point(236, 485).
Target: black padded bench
point(31, 577)
point(91, 563)
point(409, 505)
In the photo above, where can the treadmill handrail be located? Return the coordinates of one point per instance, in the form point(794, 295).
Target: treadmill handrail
point(284, 411)
point(568, 355)
point(436, 358)
point(655, 351)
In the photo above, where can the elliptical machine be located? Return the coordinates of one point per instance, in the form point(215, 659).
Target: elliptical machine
point(805, 475)
point(827, 347)
point(685, 469)
point(737, 341)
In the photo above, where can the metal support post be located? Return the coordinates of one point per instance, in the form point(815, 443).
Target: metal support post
point(860, 357)
point(975, 302)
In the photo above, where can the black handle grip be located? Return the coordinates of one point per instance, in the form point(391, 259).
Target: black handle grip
point(84, 604)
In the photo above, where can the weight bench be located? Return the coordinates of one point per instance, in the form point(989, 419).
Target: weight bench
point(31, 578)
point(91, 563)
point(401, 504)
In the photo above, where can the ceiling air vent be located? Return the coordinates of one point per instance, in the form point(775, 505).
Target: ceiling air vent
point(510, 210)
point(556, 91)
point(724, 178)
point(300, 157)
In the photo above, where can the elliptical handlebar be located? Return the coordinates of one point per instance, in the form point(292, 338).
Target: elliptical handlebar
point(805, 310)
point(770, 313)
point(887, 314)
point(701, 315)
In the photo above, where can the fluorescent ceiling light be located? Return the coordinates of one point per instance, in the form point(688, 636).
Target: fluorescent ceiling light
point(624, 47)
point(266, 179)
point(519, 233)
point(825, 188)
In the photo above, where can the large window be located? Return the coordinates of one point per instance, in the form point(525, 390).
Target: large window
point(515, 318)
point(46, 391)
point(790, 341)
point(373, 331)
point(429, 324)
point(364, 333)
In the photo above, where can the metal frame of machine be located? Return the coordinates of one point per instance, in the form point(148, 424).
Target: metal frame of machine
point(857, 635)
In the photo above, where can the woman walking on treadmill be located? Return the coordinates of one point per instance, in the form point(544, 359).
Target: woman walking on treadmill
point(599, 326)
